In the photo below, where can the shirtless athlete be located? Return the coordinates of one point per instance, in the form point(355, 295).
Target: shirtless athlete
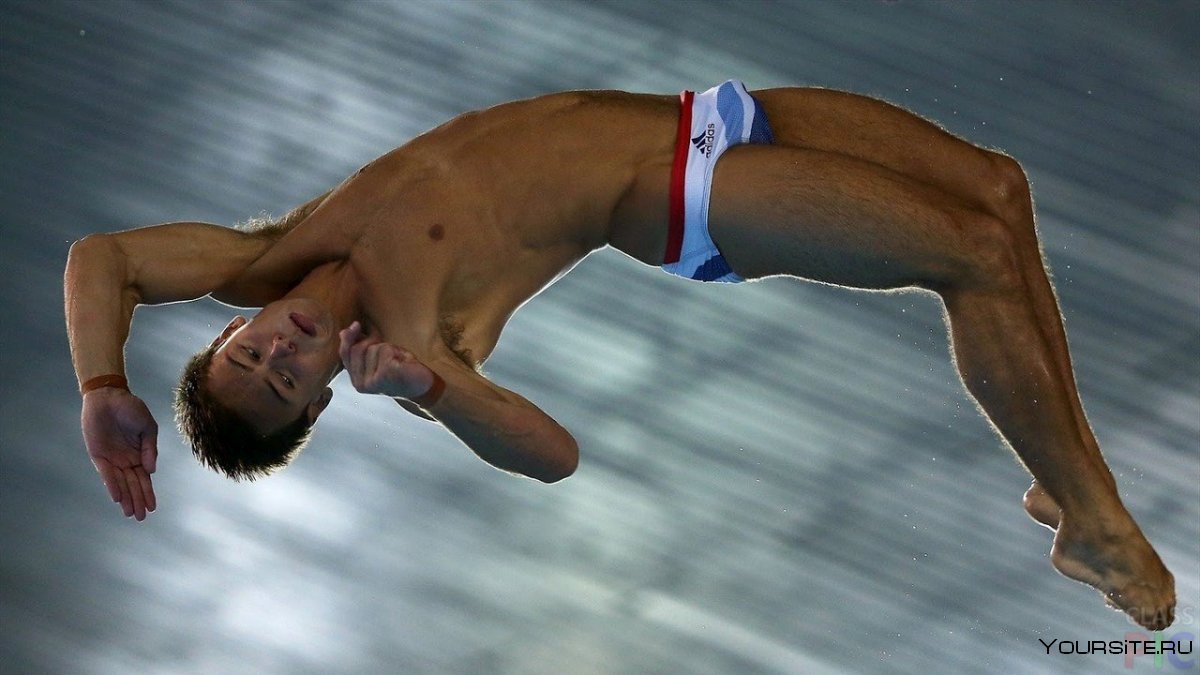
point(423, 255)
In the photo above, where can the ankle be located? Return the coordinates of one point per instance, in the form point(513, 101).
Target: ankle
point(1098, 525)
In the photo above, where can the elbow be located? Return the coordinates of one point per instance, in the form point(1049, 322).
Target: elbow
point(94, 250)
point(89, 246)
point(80, 250)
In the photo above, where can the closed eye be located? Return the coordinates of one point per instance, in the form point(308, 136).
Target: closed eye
point(270, 385)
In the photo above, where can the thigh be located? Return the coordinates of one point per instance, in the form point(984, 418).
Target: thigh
point(836, 219)
point(884, 134)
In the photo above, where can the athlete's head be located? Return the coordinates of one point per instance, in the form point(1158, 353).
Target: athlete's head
point(247, 402)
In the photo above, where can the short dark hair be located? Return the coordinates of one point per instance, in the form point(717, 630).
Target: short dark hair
point(221, 438)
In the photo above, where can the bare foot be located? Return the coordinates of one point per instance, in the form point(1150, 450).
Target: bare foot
point(1123, 567)
point(1041, 506)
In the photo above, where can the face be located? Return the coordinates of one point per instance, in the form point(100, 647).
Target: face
point(276, 366)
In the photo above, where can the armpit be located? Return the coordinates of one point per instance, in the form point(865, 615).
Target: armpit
point(451, 330)
point(266, 226)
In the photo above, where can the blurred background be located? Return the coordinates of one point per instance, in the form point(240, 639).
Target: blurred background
point(806, 489)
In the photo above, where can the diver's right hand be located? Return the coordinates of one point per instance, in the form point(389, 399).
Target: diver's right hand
point(122, 441)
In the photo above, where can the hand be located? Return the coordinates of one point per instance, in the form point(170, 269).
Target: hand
point(122, 440)
point(377, 367)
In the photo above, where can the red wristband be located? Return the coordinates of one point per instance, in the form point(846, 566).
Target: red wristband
point(99, 381)
point(433, 394)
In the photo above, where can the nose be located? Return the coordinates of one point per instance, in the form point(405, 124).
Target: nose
point(281, 345)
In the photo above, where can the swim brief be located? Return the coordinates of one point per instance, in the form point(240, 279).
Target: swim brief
point(709, 124)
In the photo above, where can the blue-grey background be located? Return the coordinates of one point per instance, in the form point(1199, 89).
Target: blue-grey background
point(776, 478)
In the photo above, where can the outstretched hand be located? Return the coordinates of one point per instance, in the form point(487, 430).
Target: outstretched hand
point(122, 441)
point(378, 367)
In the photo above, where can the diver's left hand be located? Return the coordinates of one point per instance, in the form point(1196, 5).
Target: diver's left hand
point(378, 367)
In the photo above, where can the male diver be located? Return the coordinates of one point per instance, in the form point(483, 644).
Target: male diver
point(405, 274)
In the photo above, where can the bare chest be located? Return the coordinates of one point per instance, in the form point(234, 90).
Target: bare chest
point(406, 270)
point(468, 222)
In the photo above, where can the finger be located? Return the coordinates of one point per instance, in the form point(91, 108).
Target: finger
point(349, 356)
point(372, 358)
point(135, 493)
point(400, 356)
point(348, 337)
point(357, 344)
point(343, 349)
point(147, 487)
point(361, 342)
point(392, 365)
point(108, 475)
point(150, 448)
point(126, 495)
point(358, 359)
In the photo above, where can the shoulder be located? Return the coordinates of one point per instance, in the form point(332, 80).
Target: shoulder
point(273, 228)
point(291, 249)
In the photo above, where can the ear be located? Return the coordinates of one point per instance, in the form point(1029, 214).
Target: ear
point(230, 329)
point(319, 404)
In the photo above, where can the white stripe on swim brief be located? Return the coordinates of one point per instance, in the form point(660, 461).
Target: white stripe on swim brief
point(709, 124)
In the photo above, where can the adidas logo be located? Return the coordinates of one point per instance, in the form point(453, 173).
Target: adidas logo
point(704, 142)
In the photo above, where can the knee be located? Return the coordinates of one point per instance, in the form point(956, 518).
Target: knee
point(1007, 194)
point(989, 257)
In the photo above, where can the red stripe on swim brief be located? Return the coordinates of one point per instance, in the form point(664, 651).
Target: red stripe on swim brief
point(683, 143)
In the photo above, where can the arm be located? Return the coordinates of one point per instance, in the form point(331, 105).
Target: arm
point(502, 428)
point(107, 276)
point(415, 409)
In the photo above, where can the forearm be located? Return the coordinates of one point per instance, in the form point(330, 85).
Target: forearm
point(509, 433)
point(99, 306)
point(414, 409)
point(505, 430)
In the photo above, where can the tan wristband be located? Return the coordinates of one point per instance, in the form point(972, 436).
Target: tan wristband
point(433, 394)
point(99, 381)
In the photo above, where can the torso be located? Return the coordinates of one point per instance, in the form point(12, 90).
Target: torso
point(453, 231)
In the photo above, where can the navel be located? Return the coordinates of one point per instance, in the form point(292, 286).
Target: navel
point(437, 232)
